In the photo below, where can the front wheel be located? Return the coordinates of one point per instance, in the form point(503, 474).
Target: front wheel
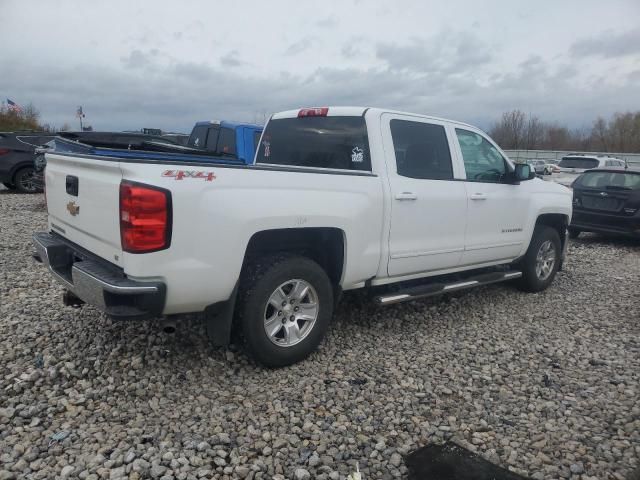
point(542, 260)
point(286, 305)
point(25, 181)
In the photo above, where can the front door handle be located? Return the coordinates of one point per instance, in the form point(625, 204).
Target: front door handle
point(478, 196)
point(406, 196)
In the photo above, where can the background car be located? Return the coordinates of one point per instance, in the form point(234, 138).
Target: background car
point(538, 166)
point(17, 153)
point(571, 166)
point(607, 200)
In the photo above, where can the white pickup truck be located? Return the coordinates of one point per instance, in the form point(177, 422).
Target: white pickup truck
point(339, 198)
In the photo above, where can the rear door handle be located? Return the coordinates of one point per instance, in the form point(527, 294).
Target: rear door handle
point(478, 196)
point(406, 196)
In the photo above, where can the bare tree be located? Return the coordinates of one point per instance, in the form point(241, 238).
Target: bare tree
point(619, 134)
point(534, 133)
point(510, 130)
point(600, 134)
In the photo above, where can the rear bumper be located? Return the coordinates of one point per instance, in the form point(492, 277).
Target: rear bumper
point(96, 281)
point(604, 223)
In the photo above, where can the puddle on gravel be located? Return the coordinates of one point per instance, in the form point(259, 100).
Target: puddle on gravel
point(452, 462)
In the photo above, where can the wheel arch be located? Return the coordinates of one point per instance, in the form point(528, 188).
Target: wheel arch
point(557, 221)
point(325, 245)
point(19, 166)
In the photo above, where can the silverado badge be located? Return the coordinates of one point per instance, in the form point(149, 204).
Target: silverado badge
point(73, 208)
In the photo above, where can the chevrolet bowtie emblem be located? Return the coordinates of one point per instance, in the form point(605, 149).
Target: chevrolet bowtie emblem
point(73, 208)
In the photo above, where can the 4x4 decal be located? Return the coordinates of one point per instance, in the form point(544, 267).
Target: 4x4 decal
point(182, 174)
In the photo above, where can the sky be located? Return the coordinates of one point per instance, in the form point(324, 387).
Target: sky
point(167, 64)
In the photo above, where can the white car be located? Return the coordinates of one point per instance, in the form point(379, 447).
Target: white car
point(571, 166)
point(541, 167)
point(339, 198)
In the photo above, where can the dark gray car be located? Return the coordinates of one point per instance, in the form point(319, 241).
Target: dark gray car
point(17, 152)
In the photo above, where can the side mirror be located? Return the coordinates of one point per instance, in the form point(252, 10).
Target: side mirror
point(523, 172)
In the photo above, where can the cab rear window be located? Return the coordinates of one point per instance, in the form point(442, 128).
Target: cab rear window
point(575, 162)
point(318, 142)
point(610, 180)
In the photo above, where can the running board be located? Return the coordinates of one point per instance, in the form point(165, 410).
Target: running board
point(433, 289)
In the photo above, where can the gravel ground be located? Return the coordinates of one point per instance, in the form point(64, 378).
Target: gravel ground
point(546, 385)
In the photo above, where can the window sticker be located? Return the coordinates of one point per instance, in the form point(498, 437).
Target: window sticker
point(357, 155)
point(267, 148)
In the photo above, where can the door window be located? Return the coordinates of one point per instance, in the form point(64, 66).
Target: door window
point(421, 150)
point(482, 161)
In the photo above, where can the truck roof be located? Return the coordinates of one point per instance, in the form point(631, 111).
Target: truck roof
point(359, 111)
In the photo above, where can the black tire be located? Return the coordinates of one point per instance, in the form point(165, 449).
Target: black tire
point(260, 280)
point(24, 181)
point(10, 186)
point(574, 232)
point(531, 281)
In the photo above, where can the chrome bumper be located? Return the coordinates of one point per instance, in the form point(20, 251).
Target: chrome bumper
point(96, 281)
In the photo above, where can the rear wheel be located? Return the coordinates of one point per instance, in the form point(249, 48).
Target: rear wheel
point(25, 181)
point(574, 232)
point(286, 303)
point(542, 260)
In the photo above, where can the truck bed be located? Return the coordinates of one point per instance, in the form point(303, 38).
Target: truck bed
point(139, 152)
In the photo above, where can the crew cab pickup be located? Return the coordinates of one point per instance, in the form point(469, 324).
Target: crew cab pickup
point(340, 198)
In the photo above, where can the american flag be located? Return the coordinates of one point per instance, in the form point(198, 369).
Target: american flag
point(13, 106)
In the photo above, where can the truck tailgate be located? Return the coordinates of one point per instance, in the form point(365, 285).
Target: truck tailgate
point(83, 198)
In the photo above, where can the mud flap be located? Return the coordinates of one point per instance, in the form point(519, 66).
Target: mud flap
point(218, 319)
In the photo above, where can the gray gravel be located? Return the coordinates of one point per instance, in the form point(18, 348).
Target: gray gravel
point(546, 385)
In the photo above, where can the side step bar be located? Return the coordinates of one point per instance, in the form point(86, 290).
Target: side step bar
point(436, 288)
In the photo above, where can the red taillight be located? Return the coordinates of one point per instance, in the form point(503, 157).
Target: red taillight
point(145, 218)
point(4, 151)
point(313, 112)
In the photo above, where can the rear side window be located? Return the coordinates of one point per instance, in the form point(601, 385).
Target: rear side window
point(611, 180)
point(422, 150)
point(577, 162)
point(227, 141)
point(198, 136)
point(318, 142)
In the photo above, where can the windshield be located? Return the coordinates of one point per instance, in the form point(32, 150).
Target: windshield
point(578, 162)
point(611, 180)
point(318, 142)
